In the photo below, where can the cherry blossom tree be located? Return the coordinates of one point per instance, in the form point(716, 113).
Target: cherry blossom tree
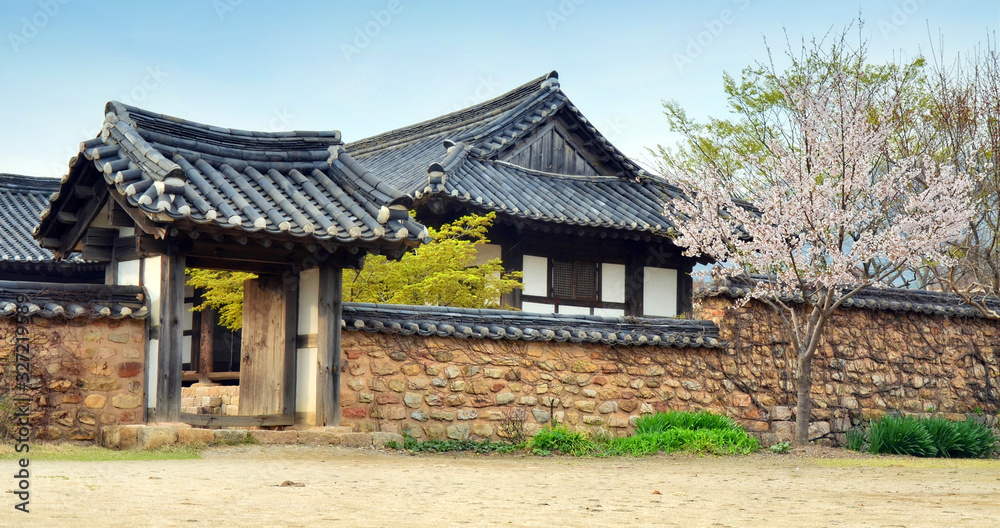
point(835, 214)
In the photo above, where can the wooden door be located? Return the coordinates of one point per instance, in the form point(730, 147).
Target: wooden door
point(267, 363)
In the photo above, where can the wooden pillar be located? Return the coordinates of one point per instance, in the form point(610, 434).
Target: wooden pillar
point(206, 345)
point(685, 288)
point(169, 358)
point(512, 257)
point(328, 341)
point(634, 281)
point(291, 289)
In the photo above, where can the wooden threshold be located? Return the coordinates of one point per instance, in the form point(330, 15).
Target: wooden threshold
point(216, 420)
point(192, 375)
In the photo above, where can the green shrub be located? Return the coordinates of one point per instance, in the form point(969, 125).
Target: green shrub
point(974, 440)
point(925, 437)
point(857, 439)
point(562, 440)
point(944, 435)
point(662, 422)
point(781, 448)
point(901, 436)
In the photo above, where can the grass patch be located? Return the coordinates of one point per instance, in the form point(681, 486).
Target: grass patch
point(672, 432)
point(662, 422)
point(98, 454)
point(444, 446)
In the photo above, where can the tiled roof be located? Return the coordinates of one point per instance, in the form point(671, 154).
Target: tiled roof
point(297, 184)
point(22, 199)
point(455, 156)
point(71, 301)
point(595, 201)
point(885, 299)
point(525, 326)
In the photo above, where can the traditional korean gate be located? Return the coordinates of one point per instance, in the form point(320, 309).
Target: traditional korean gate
point(267, 358)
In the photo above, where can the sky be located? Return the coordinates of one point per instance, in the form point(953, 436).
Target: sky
point(368, 66)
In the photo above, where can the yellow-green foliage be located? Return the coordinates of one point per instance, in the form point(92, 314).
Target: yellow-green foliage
point(223, 291)
point(439, 273)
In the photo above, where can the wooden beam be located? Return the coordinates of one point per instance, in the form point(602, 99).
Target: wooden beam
point(306, 341)
point(206, 344)
point(236, 265)
point(65, 217)
point(216, 420)
point(83, 191)
point(328, 341)
point(143, 222)
point(81, 219)
point(169, 358)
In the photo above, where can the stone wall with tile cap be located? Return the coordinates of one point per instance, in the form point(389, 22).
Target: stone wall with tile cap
point(874, 362)
point(450, 388)
point(85, 373)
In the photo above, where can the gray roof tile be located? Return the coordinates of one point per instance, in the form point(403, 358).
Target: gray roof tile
point(22, 199)
point(302, 184)
point(464, 145)
point(71, 301)
point(469, 323)
point(883, 299)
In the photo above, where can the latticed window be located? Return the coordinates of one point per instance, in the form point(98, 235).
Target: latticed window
point(575, 280)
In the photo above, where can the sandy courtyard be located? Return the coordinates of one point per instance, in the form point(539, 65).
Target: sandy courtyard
point(240, 486)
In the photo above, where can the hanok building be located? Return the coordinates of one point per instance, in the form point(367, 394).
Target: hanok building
point(22, 199)
point(165, 194)
point(575, 215)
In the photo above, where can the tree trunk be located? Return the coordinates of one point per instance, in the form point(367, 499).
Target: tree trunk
point(803, 404)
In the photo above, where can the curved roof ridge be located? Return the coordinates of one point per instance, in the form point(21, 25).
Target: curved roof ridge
point(452, 120)
point(171, 169)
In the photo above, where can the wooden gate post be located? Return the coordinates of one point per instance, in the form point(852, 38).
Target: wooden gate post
point(169, 357)
point(328, 341)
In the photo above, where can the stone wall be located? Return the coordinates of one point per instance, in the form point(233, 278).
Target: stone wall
point(85, 373)
point(871, 362)
point(211, 399)
point(874, 362)
point(465, 388)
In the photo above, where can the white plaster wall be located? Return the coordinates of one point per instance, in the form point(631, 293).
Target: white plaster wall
point(574, 310)
point(305, 380)
point(486, 252)
point(128, 273)
point(612, 282)
point(151, 280)
point(305, 358)
point(609, 312)
point(659, 291)
point(538, 307)
point(536, 275)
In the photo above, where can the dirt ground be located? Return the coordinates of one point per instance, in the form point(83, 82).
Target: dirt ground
point(241, 486)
